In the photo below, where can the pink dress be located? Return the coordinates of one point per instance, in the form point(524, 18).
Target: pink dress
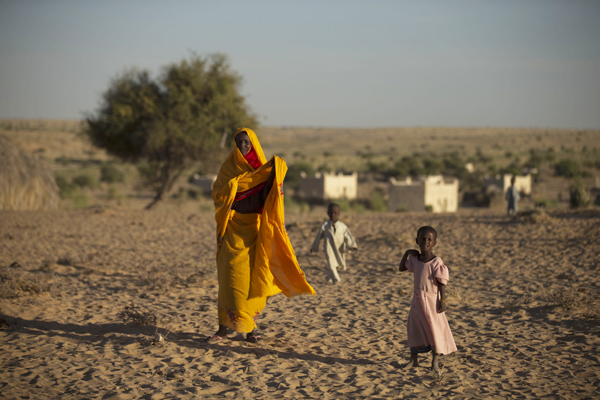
point(425, 325)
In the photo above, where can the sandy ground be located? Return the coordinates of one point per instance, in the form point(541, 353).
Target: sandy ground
point(524, 307)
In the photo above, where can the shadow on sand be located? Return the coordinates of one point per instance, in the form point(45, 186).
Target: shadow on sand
point(100, 334)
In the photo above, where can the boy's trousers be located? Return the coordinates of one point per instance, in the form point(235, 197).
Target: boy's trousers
point(332, 273)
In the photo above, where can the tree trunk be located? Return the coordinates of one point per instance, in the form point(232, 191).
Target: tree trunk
point(157, 198)
point(165, 188)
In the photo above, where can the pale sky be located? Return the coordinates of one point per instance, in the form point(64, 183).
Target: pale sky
point(321, 63)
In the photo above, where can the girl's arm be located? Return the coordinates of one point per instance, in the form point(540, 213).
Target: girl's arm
point(442, 289)
point(411, 252)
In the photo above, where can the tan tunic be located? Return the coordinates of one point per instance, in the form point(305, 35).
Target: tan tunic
point(337, 241)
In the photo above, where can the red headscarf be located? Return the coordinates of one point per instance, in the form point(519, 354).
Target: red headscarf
point(255, 162)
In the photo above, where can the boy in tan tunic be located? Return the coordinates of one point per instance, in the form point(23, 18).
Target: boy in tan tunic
point(338, 240)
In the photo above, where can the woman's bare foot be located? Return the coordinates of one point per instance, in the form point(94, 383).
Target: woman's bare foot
point(434, 362)
point(252, 337)
point(222, 332)
point(414, 361)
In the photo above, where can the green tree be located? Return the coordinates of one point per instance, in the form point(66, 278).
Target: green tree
point(168, 124)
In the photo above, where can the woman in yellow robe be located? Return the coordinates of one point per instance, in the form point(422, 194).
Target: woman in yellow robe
point(255, 259)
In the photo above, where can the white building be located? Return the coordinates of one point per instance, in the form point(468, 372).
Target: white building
point(432, 192)
point(523, 183)
point(326, 186)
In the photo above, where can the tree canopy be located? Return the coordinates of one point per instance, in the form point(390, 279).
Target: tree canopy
point(167, 124)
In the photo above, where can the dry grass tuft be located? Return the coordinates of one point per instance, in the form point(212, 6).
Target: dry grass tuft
point(15, 282)
point(525, 299)
point(137, 316)
point(66, 261)
point(592, 312)
point(565, 298)
point(25, 184)
point(535, 216)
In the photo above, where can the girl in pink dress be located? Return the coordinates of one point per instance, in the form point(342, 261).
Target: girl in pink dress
point(427, 326)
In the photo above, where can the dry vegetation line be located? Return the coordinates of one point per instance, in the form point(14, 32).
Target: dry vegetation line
point(523, 307)
point(25, 183)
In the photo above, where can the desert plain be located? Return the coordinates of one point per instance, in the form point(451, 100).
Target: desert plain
point(524, 297)
point(96, 285)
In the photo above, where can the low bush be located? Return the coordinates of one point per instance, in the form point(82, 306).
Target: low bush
point(80, 199)
point(112, 193)
point(15, 282)
point(137, 316)
point(109, 173)
point(567, 168)
point(353, 206)
point(378, 202)
point(66, 188)
point(296, 205)
point(579, 195)
point(85, 180)
point(565, 298)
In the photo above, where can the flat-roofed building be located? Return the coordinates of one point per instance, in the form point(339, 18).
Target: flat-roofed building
point(523, 183)
point(328, 186)
point(434, 192)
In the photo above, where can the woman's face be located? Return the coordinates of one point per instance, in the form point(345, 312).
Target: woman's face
point(242, 141)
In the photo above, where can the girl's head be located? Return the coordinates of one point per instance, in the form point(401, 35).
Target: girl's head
point(426, 239)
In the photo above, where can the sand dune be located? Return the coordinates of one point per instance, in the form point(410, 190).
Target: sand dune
point(524, 307)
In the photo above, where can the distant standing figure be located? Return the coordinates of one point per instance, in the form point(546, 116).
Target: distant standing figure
point(427, 327)
point(512, 197)
point(338, 240)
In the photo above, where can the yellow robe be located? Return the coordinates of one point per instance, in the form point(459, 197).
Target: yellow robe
point(255, 259)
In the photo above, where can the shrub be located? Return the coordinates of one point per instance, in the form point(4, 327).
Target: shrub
point(80, 200)
point(567, 168)
point(579, 195)
point(137, 316)
point(378, 203)
point(325, 168)
point(535, 159)
point(512, 169)
point(296, 206)
point(433, 166)
point(110, 173)
point(113, 193)
point(15, 282)
point(402, 207)
point(358, 208)
point(85, 180)
point(377, 167)
point(62, 160)
point(408, 166)
point(66, 188)
point(565, 298)
point(545, 203)
point(346, 205)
